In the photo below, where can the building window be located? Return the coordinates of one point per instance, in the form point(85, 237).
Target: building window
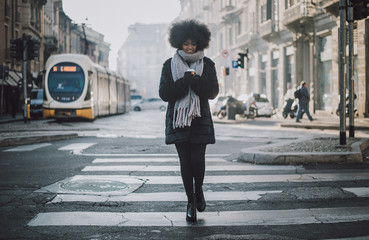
point(230, 37)
point(226, 3)
point(290, 3)
point(289, 63)
point(239, 27)
point(266, 10)
point(246, 22)
point(275, 82)
point(263, 63)
point(221, 47)
point(325, 57)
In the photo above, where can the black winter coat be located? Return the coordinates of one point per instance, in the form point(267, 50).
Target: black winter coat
point(202, 128)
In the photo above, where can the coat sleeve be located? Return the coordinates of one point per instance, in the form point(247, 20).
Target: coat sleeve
point(170, 91)
point(207, 85)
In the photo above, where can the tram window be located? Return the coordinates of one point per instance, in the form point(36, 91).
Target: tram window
point(66, 82)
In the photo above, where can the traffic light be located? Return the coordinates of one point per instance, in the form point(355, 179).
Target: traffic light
point(33, 48)
point(361, 9)
point(16, 48)
point(241, 60)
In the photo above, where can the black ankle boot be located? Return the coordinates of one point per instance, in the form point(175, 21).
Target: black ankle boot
point(191, 212)
point(200, 200)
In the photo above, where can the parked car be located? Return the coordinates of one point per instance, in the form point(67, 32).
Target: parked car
point(150, 104)
point(264, 107)
point(36, 101)
point(135, 99)
point(216, 103)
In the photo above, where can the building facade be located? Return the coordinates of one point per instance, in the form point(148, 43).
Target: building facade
point(141, 57)
point(46, 22)
point(286, 41)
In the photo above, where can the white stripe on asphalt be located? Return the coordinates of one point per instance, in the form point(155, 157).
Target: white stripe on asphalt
point(323, 177)
point(158, 159)
point(26, 148)
point(226, 218)
point(359, 192)
point(211, 179)
point(77, 146)
point(162, 196)
point(140, 154)
point(180, 196)
point(147, 168)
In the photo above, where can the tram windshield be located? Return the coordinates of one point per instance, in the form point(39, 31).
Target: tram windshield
point(66, 82)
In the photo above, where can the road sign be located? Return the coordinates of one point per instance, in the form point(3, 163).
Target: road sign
point(234, 64)
point(225, 53)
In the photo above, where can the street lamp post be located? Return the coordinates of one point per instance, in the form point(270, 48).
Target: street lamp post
point(342, 80)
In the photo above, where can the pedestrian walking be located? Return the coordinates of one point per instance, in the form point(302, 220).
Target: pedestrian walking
point(304, 102)
point(188, 80)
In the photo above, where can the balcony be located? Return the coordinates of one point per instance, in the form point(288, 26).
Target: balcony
point(229, 13)
point(268, 30)
point(299, 16)
point(331, 6)
point(247, 38)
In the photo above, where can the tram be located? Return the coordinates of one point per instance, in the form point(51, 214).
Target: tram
point(75, 87)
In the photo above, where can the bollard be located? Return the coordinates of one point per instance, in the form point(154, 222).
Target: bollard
point(231, 111)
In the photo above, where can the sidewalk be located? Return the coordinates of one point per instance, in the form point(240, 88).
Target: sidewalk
point(308, 150)
point(305, 150)
point(16, 136)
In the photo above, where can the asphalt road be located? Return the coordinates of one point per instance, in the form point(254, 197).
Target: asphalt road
point(119, 180)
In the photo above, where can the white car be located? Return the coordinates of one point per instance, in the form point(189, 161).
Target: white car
point(150, 104)
point(216, 103)
point(264, 107)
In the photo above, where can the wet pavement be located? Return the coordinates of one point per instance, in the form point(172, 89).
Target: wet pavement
point(306, 150)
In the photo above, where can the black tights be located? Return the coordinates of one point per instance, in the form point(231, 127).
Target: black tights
point(192, 160)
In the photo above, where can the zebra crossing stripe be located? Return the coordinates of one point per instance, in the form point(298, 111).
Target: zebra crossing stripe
point(26, 148)
point(317, 177)
point(137, 181)
point(148, 168)
point(151, 160)
point(162, 196)
point(77, 146)
point(359, 192)
point(226, 218)
point(181, 196)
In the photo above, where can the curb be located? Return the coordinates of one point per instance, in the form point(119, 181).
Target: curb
point(257, 156)
point(16, 141)
point(312, 126)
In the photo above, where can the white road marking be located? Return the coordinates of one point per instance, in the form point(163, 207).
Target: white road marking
point(26, 148)
point(359, 192)
point(148, 168)
point(155, 159)
point(134, 182)
point(323, 177)
point(77, 146)
point(141, 155)
point(226, 218)
point(162, 196)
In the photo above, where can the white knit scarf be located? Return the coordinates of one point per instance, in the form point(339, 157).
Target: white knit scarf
point(188, 107)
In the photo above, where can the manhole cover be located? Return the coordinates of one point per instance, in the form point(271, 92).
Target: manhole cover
point(94, 186)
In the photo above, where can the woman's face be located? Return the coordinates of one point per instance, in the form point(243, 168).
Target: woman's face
point(189, 46)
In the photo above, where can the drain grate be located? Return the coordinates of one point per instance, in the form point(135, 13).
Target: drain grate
point(94, 185)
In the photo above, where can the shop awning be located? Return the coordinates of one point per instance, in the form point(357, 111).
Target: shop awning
point(12, 79)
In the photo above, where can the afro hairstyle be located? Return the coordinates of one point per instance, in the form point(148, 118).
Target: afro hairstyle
point(189, 29)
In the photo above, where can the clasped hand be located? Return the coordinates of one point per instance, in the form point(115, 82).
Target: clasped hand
point(193, 80)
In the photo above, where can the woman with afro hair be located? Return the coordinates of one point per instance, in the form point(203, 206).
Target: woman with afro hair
point(188, 80)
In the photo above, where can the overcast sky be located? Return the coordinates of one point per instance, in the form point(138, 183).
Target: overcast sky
point(113, 17)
